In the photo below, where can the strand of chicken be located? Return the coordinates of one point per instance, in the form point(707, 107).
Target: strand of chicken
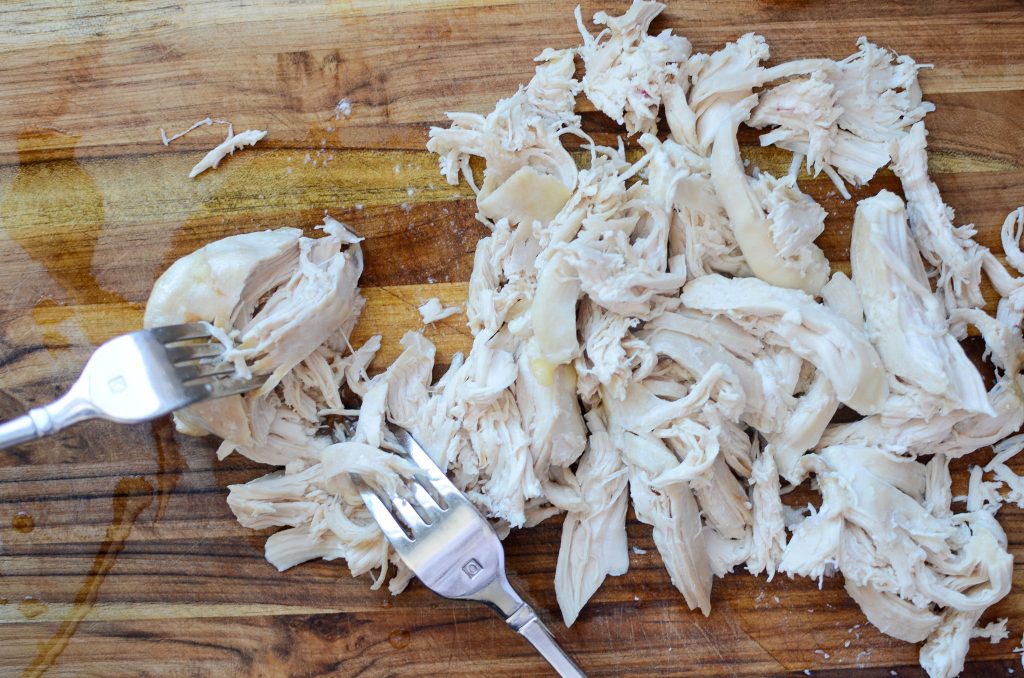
point(702, 356)
point(660, 329)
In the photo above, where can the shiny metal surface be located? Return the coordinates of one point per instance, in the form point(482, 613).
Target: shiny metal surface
point(454, 550)
point(133, 378)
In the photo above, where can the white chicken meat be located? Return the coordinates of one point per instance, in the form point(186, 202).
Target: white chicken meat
point(929, 371)
point(646, 328)
point(627, 69)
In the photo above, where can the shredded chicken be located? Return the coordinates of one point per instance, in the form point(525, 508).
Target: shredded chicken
point(765, 239)
point(844, 115)
point(950, 250)
point(928, 369)
point(647, 328)
point(205, 122)
point(432, 311)
point(524, 130)
point(594, 538)
point(227, 147)
point(287, 303)
point(792, 319)
point(627, 69)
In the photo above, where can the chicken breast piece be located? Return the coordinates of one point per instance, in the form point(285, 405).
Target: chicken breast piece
point(843, 117)
point(674, 515)
point(720, 81)
point(594, 536)
point(281, 296)
point(209, 283)
point(905, 320)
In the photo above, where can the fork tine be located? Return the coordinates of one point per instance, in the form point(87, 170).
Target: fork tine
point(231, 386)
point(424, 500)
point(388, 525)
point(171, 333)
point(432, 473)
point(188, 352)
point(408, 514)
point(203, 370)
point(218, 387)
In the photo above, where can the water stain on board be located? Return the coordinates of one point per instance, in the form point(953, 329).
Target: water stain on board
point(55, 211)
point(31, 607)
point(399, 639)
point(49, 316)
point(132, 496)
point(23, 522)
point(169, 461)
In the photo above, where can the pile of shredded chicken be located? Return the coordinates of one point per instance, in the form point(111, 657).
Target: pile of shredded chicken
point(712, 344)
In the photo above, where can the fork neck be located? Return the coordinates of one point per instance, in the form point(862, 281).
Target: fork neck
point(71, 408)
point(500, 595)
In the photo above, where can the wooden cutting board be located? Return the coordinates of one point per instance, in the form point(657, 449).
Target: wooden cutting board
point(118, 554)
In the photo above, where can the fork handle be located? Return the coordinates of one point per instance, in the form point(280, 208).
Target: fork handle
point(18, 431)
point(527, 624)
point(43, 421)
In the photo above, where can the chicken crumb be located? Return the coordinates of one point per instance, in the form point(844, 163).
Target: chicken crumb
point(432, 311)
point(202, 123)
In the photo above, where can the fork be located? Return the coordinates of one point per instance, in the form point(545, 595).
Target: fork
point(137, 377)
point(454, 551)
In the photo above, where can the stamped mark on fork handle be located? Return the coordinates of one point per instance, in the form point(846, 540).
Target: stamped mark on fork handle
point(472, 568)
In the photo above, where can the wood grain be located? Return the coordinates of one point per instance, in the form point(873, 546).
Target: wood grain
point(135, 566)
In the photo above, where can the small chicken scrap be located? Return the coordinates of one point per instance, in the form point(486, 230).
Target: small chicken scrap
point(227, 147)
point(711, 347)
point(431, 311)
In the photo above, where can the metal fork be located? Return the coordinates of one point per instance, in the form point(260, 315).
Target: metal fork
point(137, 377)
point(454, 551)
